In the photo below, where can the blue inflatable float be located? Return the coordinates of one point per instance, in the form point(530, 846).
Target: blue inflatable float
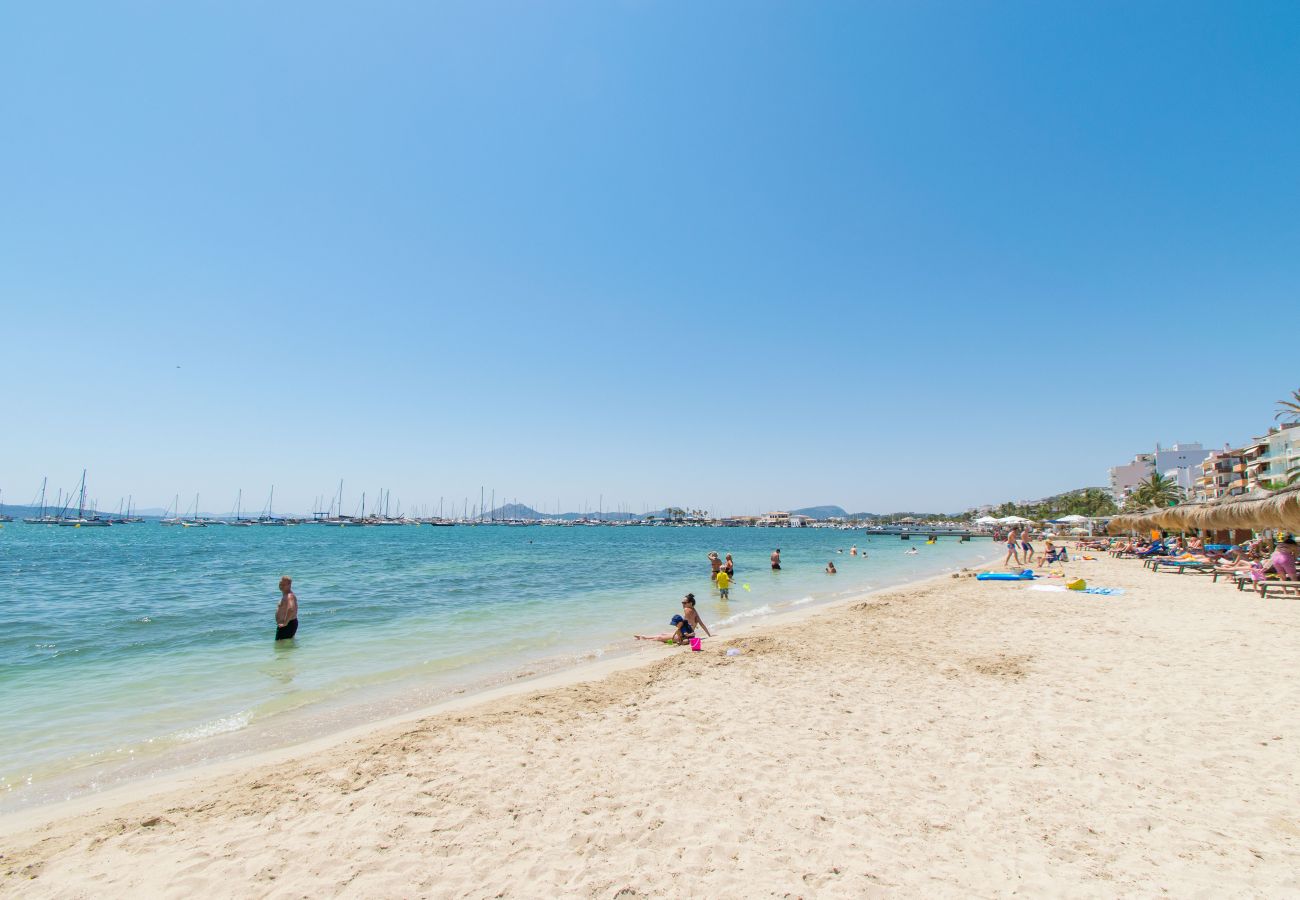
point(1027, 575)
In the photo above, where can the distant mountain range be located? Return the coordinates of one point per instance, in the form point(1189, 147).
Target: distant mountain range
point(521, 511)
point(509, 511)
point(824, 512)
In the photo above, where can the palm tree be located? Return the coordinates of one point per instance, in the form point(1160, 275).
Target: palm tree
point(1290, 410)
point(1157, 491)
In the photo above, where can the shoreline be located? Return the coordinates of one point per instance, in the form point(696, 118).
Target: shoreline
point(585, 671)
point(947, 738)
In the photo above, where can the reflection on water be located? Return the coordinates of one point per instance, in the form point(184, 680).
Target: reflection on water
point(282, 667)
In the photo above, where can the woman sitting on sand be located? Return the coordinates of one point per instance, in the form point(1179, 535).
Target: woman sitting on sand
point(685, 624)
point(681, 634)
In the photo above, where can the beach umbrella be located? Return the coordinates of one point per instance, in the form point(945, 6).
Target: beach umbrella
point(1014, 520)
point(987, 520)
point(1073, 517)
point(1255, 511)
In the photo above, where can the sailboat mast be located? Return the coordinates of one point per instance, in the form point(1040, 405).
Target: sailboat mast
point(81, 497)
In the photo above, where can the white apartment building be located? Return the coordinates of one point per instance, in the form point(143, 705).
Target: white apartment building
point(1123, 479)
point(1180, 463)
point(1270, 456)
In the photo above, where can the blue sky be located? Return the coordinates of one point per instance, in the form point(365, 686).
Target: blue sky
point(732, 255)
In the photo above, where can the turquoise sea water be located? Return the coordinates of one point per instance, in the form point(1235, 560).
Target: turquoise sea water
point(132, 650)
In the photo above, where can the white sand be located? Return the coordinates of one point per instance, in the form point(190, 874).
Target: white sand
point(953, 738)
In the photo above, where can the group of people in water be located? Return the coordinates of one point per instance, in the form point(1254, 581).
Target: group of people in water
point(722, 572)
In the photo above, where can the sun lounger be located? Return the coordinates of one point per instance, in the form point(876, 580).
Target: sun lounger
point(1182, 566)
point(1278, 588)
point(1231, 574)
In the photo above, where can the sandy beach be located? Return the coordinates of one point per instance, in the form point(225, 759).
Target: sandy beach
point(949, 738)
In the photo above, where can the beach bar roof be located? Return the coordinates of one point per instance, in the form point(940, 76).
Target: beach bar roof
point(1254, 511)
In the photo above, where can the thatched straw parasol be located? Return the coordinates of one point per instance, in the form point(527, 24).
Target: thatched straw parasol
point(1254, 512)
point(1134, 521)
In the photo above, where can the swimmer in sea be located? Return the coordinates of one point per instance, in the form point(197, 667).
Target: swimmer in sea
point(912, 551)
point(729, 567)
point(853, 551)
point(776, 560)
point(830, 568)
point(715, 564)
point(286, 614)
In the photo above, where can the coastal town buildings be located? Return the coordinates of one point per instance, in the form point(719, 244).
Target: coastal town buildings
point(1221, 474)
point(1124, 479)
point(1269, 457)
point(1180, 463)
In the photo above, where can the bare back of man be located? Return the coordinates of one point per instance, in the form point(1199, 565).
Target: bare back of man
point(286, 614)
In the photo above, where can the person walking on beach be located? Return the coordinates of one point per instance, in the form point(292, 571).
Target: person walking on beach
point(1013, 547)
point(1284, 557)
point(286, 614)
point(724, 584)
point(776, 560)
point(1027, 546)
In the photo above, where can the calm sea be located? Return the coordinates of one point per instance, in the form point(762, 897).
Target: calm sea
point(134, 650)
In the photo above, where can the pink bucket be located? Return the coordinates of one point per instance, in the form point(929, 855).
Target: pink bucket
point(696, 644)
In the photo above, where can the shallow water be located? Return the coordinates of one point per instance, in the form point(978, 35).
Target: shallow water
point(129, 650)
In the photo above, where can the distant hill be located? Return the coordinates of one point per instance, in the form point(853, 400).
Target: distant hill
point(821, 512)
point(522, 511)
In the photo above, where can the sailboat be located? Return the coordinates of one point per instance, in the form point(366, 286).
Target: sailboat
point(268, 517)
point(195, 522)
point(339, 520)
point(239, 521)
point(81, 521)
point(44, 518)
point(3, 517)
point(175, 517)
point(124, 516)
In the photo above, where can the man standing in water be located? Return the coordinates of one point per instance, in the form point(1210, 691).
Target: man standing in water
point(776, 559)
point(286, 614)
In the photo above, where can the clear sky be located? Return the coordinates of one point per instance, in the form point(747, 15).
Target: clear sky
point(737, 256)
